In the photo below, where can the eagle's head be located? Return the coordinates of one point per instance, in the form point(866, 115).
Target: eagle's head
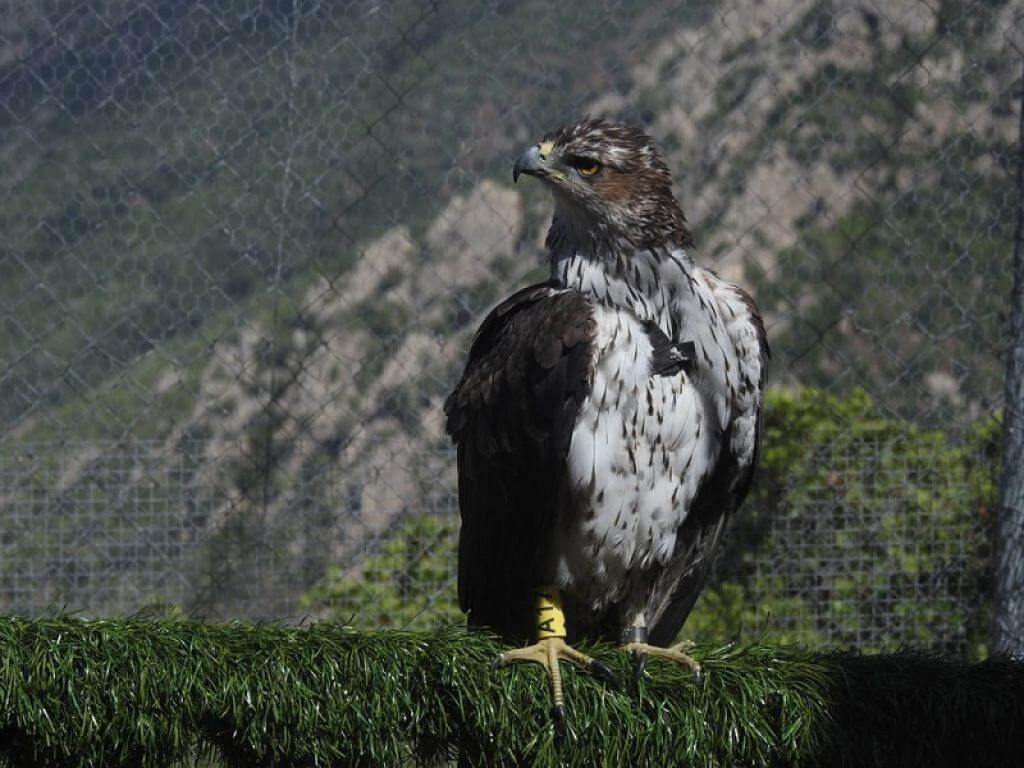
point(608, 180)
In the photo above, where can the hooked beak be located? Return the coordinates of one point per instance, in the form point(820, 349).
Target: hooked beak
point(530, 162)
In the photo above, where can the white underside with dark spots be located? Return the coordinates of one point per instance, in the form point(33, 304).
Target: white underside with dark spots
point(643, 445)
point(637, 456)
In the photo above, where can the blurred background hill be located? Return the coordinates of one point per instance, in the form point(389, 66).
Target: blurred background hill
point(244, 245)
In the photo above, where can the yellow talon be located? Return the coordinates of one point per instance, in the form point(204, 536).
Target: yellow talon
point(551, 648)
point(674, 653)
point(548, 653)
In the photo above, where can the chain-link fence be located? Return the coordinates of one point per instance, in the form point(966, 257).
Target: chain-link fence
point(245, 245)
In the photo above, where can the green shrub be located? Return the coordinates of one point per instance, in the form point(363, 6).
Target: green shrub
point(861, 530)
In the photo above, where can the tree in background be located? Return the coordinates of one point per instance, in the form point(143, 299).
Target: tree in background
point(883, 528)
point(408, 583)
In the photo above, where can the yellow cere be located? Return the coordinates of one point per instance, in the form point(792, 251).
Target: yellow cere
point(546, 148)
point(550, 617)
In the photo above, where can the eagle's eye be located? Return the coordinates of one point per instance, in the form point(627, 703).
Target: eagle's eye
point(585, 165)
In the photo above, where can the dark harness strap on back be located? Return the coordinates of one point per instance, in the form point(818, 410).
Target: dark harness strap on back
point(668, 358)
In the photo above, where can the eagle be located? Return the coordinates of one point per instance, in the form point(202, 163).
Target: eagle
point(608, 421)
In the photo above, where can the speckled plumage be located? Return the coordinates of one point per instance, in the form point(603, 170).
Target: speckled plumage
point(586, 462)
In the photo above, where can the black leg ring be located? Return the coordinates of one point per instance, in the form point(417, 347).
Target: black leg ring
point(634, 635)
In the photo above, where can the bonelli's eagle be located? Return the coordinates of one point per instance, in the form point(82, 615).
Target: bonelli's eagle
point(608, 420)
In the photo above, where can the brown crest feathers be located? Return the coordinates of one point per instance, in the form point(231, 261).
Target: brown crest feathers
point(632, 195)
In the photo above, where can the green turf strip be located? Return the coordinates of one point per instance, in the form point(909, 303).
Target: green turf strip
point(154, 692)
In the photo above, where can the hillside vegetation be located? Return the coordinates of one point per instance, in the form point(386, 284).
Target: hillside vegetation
point(247, 244)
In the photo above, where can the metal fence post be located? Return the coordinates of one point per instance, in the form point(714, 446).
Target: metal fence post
point(1008, 624)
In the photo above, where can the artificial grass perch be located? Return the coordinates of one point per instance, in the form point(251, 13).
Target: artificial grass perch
point(161, 693)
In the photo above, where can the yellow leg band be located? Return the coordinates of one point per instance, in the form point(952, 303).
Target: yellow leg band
point(550, 617)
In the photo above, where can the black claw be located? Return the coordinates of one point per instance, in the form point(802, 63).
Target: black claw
point(698, 677)
point(498, 662)
point(558, 715)
point(601, 672)
point(639, 664)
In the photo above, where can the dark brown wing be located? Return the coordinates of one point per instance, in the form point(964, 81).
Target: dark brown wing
point(512, 416)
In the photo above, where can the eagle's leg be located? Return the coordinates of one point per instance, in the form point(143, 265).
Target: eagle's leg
point(635, 639)
point(551, 648)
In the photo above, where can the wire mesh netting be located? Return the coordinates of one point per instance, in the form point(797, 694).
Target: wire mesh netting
point(245, 245)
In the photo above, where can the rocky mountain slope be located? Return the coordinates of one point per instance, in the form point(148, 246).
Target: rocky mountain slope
point(848, 162)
